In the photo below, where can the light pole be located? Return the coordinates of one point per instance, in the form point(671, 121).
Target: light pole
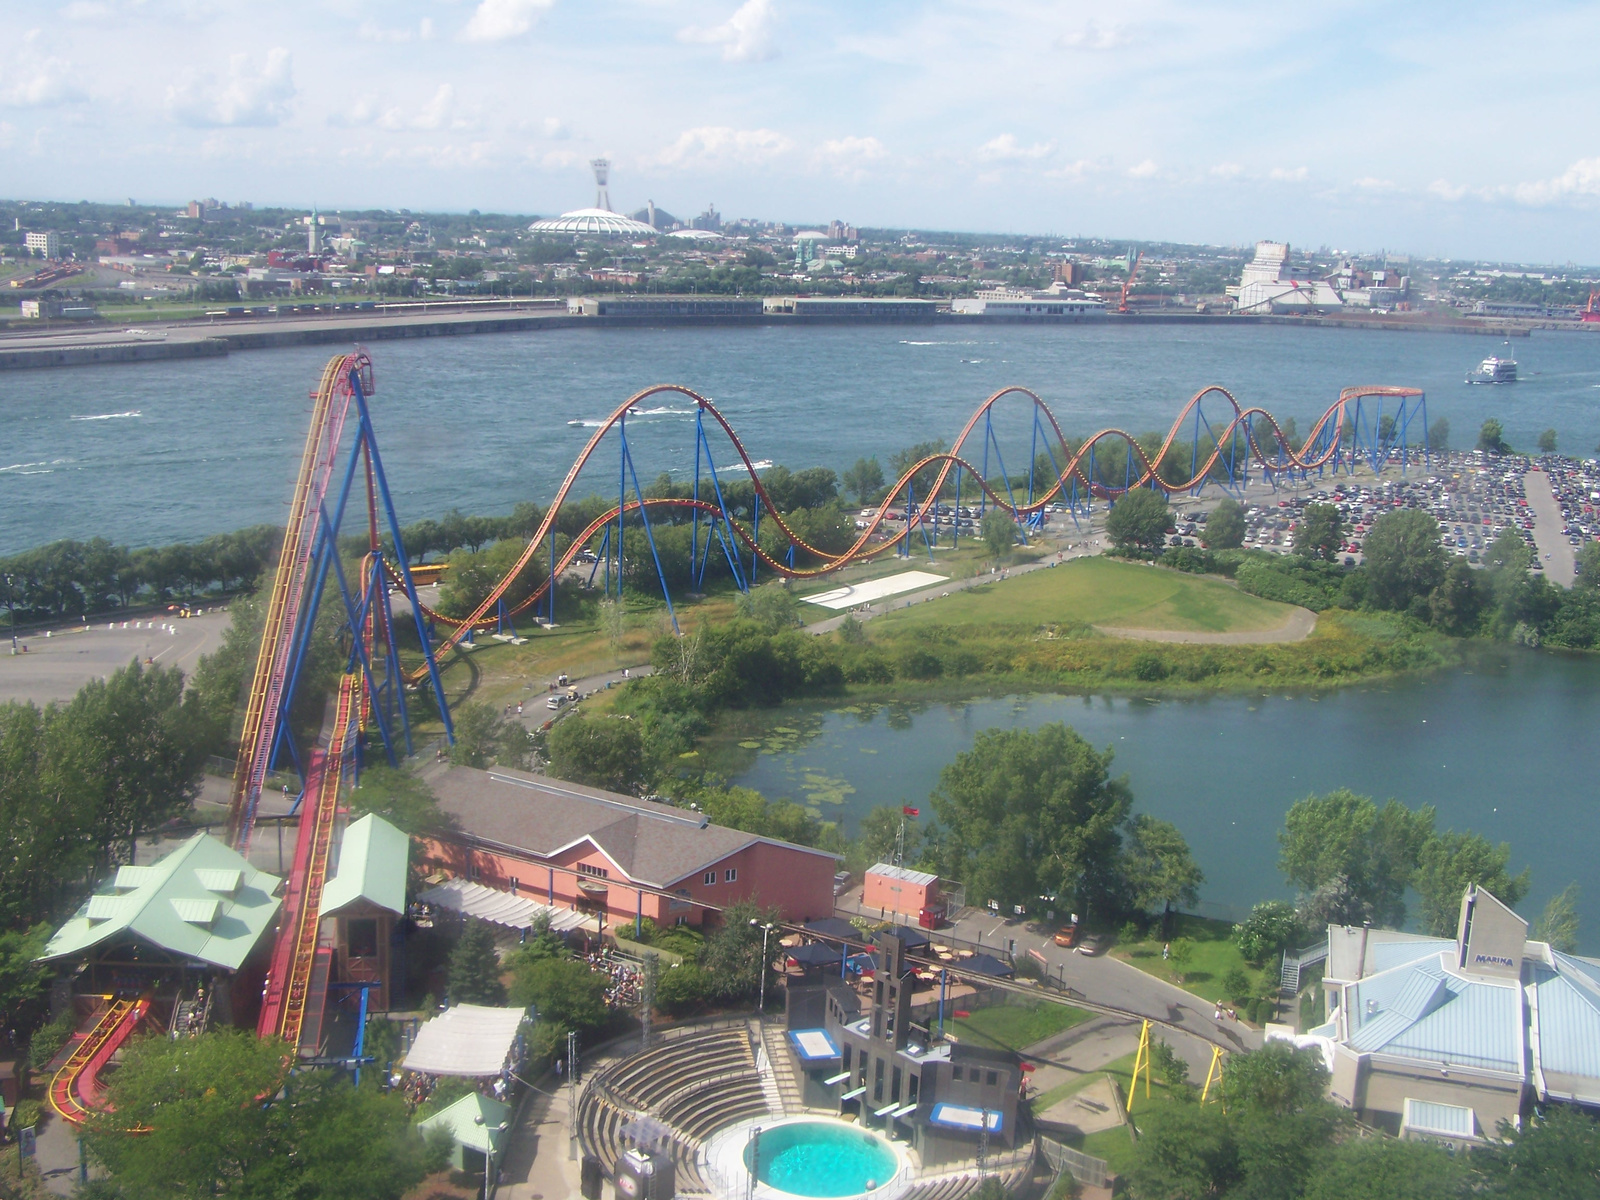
point(488, 1169)
point(11, 609)
point(766, 930)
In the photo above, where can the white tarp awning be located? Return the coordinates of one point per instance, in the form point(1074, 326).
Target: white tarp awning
point(502, 908)
point(469, 1039)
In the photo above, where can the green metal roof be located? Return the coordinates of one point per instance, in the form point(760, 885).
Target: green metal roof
point(372, 867)
point(472, 1121)
point(176, 904)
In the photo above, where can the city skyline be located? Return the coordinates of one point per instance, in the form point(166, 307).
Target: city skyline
point(1451, 132)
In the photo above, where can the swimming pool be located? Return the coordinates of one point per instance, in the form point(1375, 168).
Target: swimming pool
point(821, 1159)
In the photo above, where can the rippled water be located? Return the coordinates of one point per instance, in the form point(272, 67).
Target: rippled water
point(153, 452)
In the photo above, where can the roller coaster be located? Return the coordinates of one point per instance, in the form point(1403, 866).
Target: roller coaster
point(928, 498)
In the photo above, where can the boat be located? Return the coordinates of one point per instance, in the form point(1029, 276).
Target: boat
point(578, 423)
point(1494, 370)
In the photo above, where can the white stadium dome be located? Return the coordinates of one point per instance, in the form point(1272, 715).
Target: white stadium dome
point(595, 222)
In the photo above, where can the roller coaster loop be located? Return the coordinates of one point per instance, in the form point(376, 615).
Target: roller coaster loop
point(1353, 431)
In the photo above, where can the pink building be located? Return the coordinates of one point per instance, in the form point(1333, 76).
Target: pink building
point(615, 856)
point(900, 890)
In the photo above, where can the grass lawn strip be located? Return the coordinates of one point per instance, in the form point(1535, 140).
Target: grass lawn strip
point(1015, 1026)
point(1214, 955)
point(1103, 591)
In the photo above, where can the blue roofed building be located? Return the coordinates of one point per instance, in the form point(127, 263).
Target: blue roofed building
point(1445, 1038)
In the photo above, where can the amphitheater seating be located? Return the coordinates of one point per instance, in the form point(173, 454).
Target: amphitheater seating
point(959, 1187)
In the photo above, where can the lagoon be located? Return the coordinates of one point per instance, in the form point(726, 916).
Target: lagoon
point(1502, 747)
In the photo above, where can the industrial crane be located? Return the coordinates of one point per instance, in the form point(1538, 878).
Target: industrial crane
point(1592, 312)
point(1122, 304)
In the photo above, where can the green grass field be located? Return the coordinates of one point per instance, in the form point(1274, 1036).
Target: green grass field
point(1213, 956)
point(1106, 592)
point(1017, 1026)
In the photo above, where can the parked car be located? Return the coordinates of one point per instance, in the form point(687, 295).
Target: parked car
point(1092, 944)
point(1067, 935)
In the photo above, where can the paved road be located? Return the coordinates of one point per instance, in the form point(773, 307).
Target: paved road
point(55, 667)
point(1554, 549)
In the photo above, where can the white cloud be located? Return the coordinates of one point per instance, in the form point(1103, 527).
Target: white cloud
point(498, 20)
point(371, 31)
point(555, 128)
point(1289, 175)
point(1227, 170)
point(746, 36)
point(1005, 148)
point(1076, 170)
point(1093, 36)
point(1446, 190)
point(712, 145)
point(246, 96)
point(1145, 170)
point(50, 83)
point(849, 156)
point(1582, 178)
point(86, 10)
point(436, 113)
point(1368, 183)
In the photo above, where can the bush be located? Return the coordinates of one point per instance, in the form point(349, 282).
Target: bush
point(1149, 667)
point(48, 1040)
point(25, 1115)
point(1235, 983)
point(681, 990)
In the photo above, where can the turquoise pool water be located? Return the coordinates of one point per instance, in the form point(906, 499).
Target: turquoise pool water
point(821, 1158)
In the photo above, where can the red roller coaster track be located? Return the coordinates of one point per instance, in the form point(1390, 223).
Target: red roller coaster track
point(1327, 435)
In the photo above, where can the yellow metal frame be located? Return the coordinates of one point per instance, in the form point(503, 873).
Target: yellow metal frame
point(1214, 1073)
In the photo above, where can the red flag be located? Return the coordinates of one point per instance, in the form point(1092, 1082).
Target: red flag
point(909, 811)
point(961, 1013)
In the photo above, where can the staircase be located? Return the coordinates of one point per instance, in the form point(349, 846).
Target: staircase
point(780, 1079)
point(1295, 962)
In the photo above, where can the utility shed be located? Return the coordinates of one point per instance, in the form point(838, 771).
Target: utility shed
point(363, 899)
point(477, 1125)
point(899, 890)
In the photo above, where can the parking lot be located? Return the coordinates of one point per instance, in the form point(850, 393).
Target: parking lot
point(60, 660)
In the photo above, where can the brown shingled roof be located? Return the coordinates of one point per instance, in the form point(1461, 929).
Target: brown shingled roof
point(650, 843)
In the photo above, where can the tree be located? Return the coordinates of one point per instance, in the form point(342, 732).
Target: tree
point(1225, 526)
point(1026, 813)
point(1491, 438)
point(878, 835)
point(1439, 435)
point(400, 798)
point(732, 954)
point(1588, 564)
point(865, 480)
point(1404, 557)
point(1271, 928)
point(1139, 520)
point(1180, 954)
point(1456, 604)
point(131, 746)
point(1159, 868)
point(1556, 1157)
point(1321, 532)
point(1508, 552)
point(773, 606)
point(226, 1116)
point(475, 968)
point(1547, 442)
point(999, 531)
point(1185, 1151)
point(484, 737)
point(602, 752)
point(1277, 1080)
point(1559, 923)
point(1385, 1168)
point(24, 982)
point(1344, 841)
point(564, 992)
point(1449, 863)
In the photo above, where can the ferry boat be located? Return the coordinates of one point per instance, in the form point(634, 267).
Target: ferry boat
point(1494, 370)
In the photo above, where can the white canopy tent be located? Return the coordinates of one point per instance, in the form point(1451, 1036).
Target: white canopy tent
point(469, 1039)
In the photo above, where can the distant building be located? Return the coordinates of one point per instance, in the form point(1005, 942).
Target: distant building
point(1443, 1039)
point(1058, 301)
point(899, 890)
point(1267, 285)
point(45, 242)
point(614, 857)
point(710, 220)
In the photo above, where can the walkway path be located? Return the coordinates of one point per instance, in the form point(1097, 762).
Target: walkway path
point(1549, 529)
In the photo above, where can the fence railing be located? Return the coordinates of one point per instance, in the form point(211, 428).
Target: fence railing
point(1085, 1168)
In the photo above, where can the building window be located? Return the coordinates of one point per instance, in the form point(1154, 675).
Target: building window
point(955, 1074)
point(994, 1078)
point(710, 878)
point(894, 1085)
point(515, 884)
point(361, 937)
point(730, 875)
point(597, 872)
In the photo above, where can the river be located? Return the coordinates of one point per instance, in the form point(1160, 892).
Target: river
point(151, 453)
point(1503, 747)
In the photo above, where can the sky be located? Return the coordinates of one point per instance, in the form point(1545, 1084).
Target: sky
point(1459, 129)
